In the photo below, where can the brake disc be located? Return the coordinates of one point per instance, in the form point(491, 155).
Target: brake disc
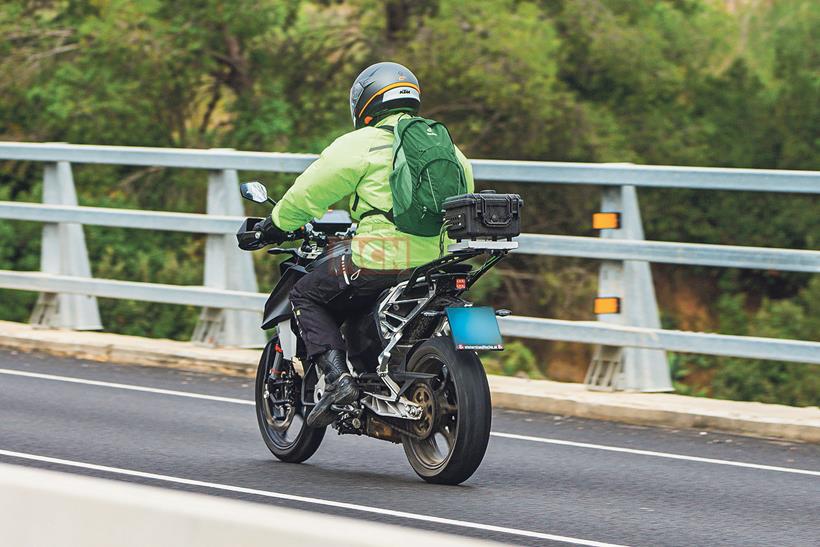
point(280, 417)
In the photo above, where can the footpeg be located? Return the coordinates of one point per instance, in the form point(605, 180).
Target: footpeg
point(347, 409)
point(338, 395)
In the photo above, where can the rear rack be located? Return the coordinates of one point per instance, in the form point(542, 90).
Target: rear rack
point(481, 245)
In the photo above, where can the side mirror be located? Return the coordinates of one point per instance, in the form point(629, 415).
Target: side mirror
point(254, 191)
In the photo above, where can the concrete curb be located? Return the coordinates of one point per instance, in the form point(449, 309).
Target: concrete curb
point(658, 409)
point(95, 512)
point(133, 350)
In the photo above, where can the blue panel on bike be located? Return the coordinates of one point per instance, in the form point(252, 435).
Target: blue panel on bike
point(474, 328)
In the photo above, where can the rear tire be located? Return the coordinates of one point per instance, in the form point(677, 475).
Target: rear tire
point(298, 442)
point(462, 384)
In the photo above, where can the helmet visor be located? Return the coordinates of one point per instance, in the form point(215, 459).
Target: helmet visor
point(355, 95)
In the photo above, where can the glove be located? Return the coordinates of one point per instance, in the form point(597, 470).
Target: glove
point(271, 232)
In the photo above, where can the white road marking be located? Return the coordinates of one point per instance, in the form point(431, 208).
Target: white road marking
point(126, 386)
point(655, 454)
point(308, 500)
point(499, 434)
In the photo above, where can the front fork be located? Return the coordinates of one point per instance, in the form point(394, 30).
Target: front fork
point(280, 386)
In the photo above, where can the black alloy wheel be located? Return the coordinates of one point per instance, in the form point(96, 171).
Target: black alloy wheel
point(456, 413)
point(279, 411)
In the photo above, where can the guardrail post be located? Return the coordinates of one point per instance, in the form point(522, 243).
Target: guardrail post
point(63, 251)
point(631, 281)
point(227, 267)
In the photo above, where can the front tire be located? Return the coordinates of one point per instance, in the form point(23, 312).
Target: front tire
point(460, 431)
point(287, 437)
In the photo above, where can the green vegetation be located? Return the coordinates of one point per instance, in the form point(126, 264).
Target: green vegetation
point(516, 360)
point(688, 82)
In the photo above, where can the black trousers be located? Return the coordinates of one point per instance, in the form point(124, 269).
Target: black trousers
point(326, 296)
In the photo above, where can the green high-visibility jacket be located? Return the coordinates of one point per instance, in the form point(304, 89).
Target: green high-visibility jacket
point(358, 164)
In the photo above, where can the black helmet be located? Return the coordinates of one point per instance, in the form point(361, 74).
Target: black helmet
point(383, 87)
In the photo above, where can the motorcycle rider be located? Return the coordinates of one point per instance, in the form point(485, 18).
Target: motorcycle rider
point(357, 164)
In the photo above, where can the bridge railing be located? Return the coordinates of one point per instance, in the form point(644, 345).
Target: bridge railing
point(630, 345)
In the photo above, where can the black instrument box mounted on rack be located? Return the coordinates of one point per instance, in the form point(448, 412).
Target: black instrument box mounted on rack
point(486, 215)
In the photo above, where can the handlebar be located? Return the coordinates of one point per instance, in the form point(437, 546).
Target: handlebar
point(313, 240)
point(313, 243)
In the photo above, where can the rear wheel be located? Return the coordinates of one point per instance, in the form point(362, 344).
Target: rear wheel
point(453, 433)
point(279, 411)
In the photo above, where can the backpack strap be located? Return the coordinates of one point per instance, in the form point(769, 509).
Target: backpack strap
point(373, 212)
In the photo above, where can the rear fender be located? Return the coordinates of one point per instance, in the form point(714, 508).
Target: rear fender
point(414, 348)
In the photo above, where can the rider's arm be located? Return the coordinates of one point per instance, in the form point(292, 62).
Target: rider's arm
point(468, 170)
point(326, 181)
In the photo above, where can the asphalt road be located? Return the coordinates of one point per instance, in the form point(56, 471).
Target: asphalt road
point(546, 480)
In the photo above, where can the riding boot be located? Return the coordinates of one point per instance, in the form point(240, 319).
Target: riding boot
point(340, 388)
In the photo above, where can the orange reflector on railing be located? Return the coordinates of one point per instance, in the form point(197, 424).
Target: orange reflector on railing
point(607, 304)
point(606, 221)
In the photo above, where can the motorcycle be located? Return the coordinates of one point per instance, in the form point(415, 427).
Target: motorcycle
point(413, 354)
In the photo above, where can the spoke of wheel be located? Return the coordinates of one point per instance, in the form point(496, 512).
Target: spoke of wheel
point(448, 439)
point(445, 407)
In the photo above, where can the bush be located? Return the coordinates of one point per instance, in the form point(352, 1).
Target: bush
point(753, 379)
point(516, 360)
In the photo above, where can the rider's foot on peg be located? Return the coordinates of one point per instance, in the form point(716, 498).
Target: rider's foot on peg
point(341, 387)
point(340, 392)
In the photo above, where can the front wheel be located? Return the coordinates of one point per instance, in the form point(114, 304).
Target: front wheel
point(279, 409)
point(452, 436)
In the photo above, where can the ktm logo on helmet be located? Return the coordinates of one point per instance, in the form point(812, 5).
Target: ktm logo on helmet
point(404, 92)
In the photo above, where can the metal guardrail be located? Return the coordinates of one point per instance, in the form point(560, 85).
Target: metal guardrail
point(133, 290)
point(593, 332)
point(624, 253)
point(589, 332)
point(657, 176)
point(664, 252)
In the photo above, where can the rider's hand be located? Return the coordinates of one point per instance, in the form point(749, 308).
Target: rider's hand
point(271, 232)
point(298, 233)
